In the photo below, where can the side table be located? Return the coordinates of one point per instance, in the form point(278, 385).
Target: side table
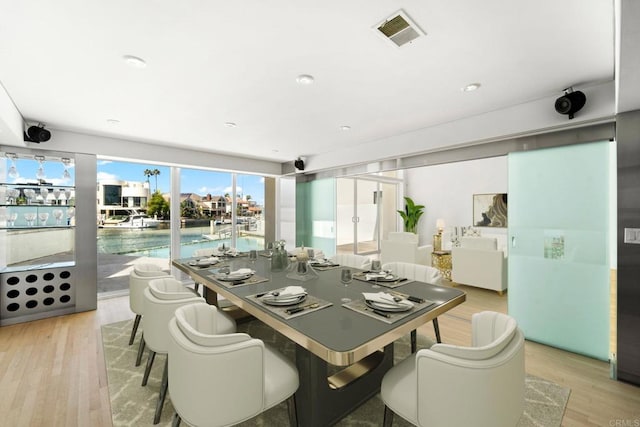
point(442, 261)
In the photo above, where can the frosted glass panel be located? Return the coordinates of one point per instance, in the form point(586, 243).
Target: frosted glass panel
point(559, 246)
point(315, 215)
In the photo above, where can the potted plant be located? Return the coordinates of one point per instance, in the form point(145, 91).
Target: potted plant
point(411, 215)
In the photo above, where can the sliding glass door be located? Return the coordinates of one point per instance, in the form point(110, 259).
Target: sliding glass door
point(365, 211)
point(559, 203)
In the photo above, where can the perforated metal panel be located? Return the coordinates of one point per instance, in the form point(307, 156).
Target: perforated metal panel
point(33, 294)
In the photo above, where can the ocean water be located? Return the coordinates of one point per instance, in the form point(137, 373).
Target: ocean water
point(155, 243)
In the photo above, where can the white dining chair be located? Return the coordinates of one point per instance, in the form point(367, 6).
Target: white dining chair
point(139, 279)
point(161, 299)
point(448, 385)
point(223, 379)
point(421, 273)
point(352, 260)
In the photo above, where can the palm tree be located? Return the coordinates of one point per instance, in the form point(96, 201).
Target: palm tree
point(155, 173)
point(148, 173)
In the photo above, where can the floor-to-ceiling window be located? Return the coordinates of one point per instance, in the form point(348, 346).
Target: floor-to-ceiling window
point(134, 215)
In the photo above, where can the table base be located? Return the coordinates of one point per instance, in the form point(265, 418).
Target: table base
point(320, 402)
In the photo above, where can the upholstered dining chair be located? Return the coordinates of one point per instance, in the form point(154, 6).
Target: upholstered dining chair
point(161, 299)
point(448, 385)
point(223, 379)
point(422, 273)
point(352, 260)
point(138, 281)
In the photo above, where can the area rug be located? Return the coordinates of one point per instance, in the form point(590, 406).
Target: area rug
point(134, 405)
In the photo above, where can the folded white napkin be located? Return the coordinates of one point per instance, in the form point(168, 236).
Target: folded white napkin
point(210, 260)
point(381, 275)
point(386, 299)
point(241, 272)
point(292, 291)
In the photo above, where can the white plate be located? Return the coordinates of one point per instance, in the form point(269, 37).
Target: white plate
point(388, 307)
point(233, 277)
point(271, 300)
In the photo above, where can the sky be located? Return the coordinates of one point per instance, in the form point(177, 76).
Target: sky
point(196, 181)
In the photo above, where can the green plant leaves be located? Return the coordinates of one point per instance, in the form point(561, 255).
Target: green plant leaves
point(411, 215)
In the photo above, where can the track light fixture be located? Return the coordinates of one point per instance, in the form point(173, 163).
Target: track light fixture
point(37, 134)
point(299, 164)
point(571, 102)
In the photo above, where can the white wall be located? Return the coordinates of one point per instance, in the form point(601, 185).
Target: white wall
point(447, 192)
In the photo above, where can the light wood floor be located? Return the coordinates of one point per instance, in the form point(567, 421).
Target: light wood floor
point(52, 371)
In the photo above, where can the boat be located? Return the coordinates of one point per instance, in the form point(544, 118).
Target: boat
point(133, 220)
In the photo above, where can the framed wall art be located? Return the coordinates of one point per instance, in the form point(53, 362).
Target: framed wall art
point(490, 210)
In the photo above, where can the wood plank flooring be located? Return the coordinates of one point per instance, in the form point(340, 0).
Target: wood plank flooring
point(52, 371)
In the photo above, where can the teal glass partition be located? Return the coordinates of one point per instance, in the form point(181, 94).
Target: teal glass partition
point(559, 246)
point(316, 215)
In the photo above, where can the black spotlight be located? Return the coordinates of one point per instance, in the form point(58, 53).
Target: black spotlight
point(37, 134)
point(571, 102)
point(299, 164)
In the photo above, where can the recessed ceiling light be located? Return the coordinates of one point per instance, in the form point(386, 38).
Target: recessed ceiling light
point(230, 124)
point(471, 87)
point(113, 121)
point(134, 61)
point(304, 79)
point(345, 128)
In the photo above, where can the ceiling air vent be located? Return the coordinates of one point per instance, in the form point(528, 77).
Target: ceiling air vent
point(399, 29)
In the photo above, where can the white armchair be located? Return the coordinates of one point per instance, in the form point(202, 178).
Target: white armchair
point(487, 379)
point(139, 279)
point(222, 379)
point(403, 246)
point(161, 299)
point(478, 262)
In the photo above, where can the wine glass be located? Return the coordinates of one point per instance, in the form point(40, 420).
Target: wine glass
point(44, 192)
point(30, 218)
point(253, 256)
point(29, 194)
point(67, 196)
point(56, 194)
point(44, 217)
point(346, 277)
point(57, 214)
point(11, 221)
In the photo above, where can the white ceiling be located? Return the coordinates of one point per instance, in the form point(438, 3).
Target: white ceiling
point(211, 62)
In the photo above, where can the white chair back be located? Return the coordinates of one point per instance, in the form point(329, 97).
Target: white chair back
point(486, 379)
point(352, 260)
point(148, 270)
point(202, 365)
point(161, 298)
point(205, 252)
point(422, 273)
point(137, 284)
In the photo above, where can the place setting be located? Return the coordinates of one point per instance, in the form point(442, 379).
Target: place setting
point(204, 262)
point(290, 301)
point(322, 264)
point(388, 306)
point(233, 278)
point(382, 278)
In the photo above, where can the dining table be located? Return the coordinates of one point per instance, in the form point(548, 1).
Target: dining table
point(343, 342)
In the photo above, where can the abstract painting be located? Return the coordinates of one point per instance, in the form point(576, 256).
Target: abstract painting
point(490, 210)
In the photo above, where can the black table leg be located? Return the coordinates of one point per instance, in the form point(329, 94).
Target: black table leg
point(319, 404)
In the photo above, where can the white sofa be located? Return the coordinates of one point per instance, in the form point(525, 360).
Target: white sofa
point(403, 246)
point(478, 262)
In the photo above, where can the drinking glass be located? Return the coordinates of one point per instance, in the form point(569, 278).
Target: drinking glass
point(44, 192)
point(57, 214)
point(376, 265)
point(44, 217)
point(11, 221)
point(56, 194)
point(253, 256)
point(346, 277)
